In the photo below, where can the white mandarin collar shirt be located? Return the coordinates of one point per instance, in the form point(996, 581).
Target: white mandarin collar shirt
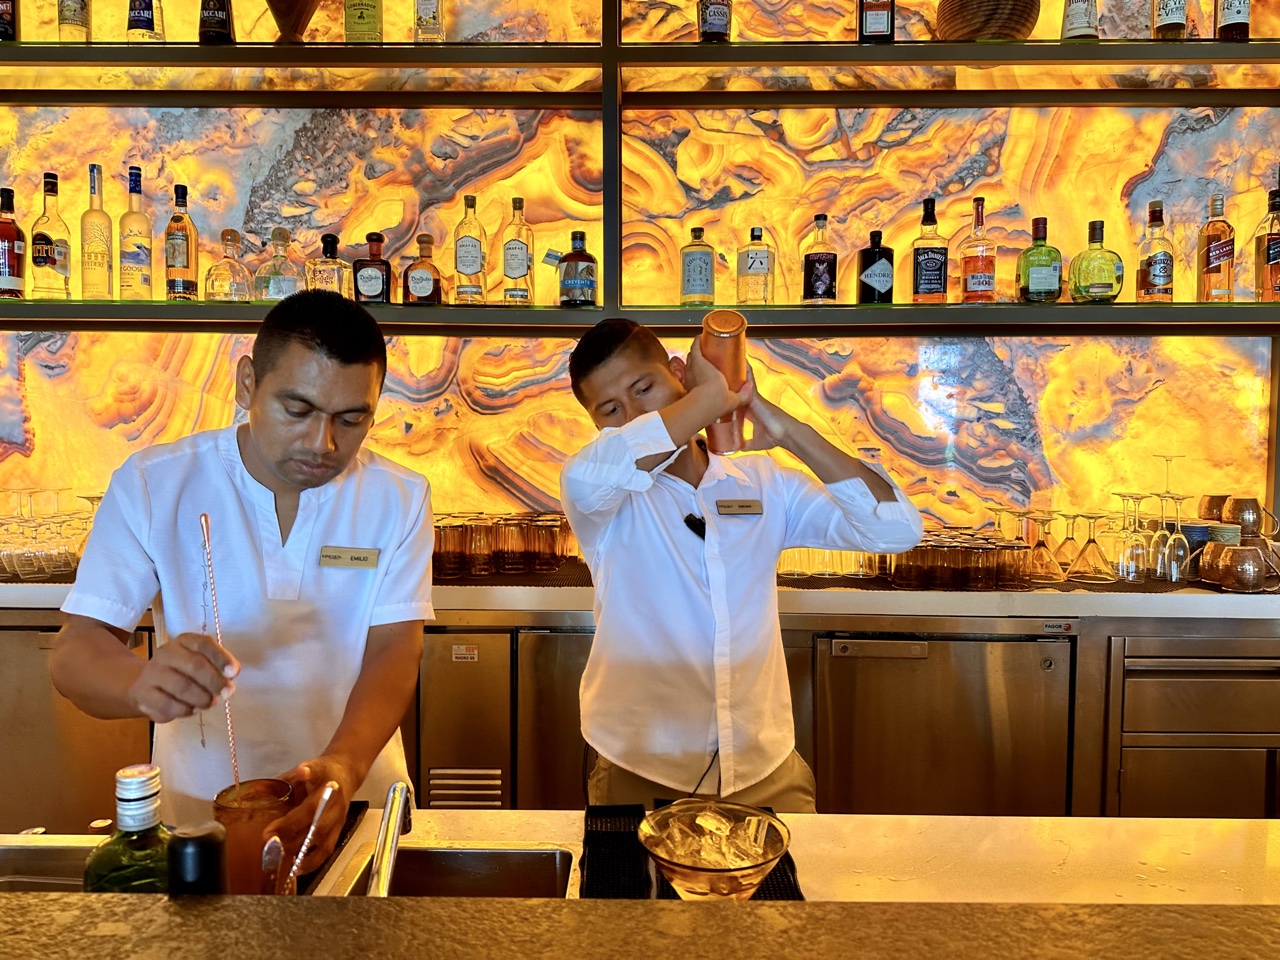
point(298, 628)
point(688, 656)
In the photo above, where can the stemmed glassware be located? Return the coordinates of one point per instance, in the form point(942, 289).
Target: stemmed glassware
point(1177, 548)
point(1042, 567)
point(1168, 459)
point(1020, 531)
point(1159, 545)
point(1069, 548)
point(1092, 565)
point(1131, 557)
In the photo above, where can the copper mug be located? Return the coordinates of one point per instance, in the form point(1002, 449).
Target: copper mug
point(1243, 569)
point(1211, 505)
point(1211, 559)
point(1248, 512)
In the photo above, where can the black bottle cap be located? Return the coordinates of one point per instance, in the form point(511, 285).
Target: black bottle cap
point(374, 237)
point(876, 237)
point(1095, 231)
point(329, 244)
point(180, 194)
point(695, 233)
point(820, 218)
point(1155, 211)
point(1273, 200)
point(579, 235)
point(517, 203)
point(6, 199)
point(198, 860)
point(930, 217)
point(51, 183)
point(1039, 228)
point(757, 233)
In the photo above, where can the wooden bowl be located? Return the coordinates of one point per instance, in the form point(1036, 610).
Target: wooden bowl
point(987, 19)
point(292, 17)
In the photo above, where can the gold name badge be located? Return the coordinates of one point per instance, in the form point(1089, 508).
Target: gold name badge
point(366, 557)
point(739, 508)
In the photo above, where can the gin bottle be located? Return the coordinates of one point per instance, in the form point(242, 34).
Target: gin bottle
point(755, 270)
point(135, 244)
point(328, 271)
point(469, 245)
point(50, 249)
point(1216, 256)
point(1040, 267)
point(95, 243)
point(228, 278)
point(1097, 275)
point(279, 277)
point(134, 859)
point(929, 265)
point(181, 251)
point(697, 271)
point(517, 258)
point(875, 271)
point(1155, 259)
point(73, 20)
point(146, 22)
point(13, 249)
point(422, 280)
point(978, 260)
point(1266, 253)
point(818, 264)
point(428, 21)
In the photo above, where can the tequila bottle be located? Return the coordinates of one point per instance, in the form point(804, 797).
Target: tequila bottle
point(517, 258)
point(181, 251)
point(422, 280)
point(146, 22)
point(1266, 253)
point(697, 271)
point(1040, 267)
point(1231, 19)
point(73, 20)
point(135, 244)
point(577, 270)
point(279, 277)
point(1097, 275)
point(929, 266)
point(755, 270)
point(13, 249)
point(95, 243)
point(469, 245)
point(1168, 19)
point(50, 249)
point(363, 21)
point(328, 271)
point(1155, 259)
point(819, 263)
point(978, 260)
point(134, 859)
point(875, 272)
point(428, 21)
point(228, 278)
point(374, 277)
point(1216, 256)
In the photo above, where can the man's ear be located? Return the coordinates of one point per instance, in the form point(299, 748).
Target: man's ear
point(245, 382)
point(678, 368)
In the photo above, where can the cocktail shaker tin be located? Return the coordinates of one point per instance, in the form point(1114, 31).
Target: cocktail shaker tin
point(724, 343)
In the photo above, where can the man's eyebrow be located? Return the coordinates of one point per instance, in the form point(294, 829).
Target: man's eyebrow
point(297, 397)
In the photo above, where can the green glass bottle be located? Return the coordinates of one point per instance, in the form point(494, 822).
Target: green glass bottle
point(1039, 267)
point(1097, 275)
point(134, 859)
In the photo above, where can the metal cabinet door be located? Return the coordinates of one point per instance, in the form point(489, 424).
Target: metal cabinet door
point(928, 726)
point(1197, 782)
point(550, 752)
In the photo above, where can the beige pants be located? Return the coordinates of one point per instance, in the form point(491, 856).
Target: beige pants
point(789, 789)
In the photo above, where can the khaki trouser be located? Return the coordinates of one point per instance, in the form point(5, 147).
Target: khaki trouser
point(789, 789)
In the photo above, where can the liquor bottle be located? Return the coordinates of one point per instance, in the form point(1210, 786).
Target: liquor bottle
point(328, 271)
point(1216, 256)
point(10, 24)
point(1155, 259)
point(197, 859)
point(1168, 19)
point(517, 258)
point(1097, 275)
point(181, 251)
point(755, 270)
point(1080, 20)
point(363, 22)
point(1266, 253)
point(929, 278)
point(875, 272)
point(715, 17)
point(577, 270)
point(217, 23)
point(135, 244)
point(134, 859)
point(279, 277)
point(50, 249)
point(469, 245)
point(423, 283)
point(1039, 278)
point(697, 271)
point(374, 277)
point(1231, 19)
point(146, 22)
point(978, 260)
point(13, 249)
point(428, 22)
point(229, 279)
point(73, 21)
point(95, 243)
point(819, 264)
point(875, 21)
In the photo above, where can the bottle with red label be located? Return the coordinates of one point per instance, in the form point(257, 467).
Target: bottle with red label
point(875, 21)
point(13, 249)
point(1216, 256)
point(50, 249)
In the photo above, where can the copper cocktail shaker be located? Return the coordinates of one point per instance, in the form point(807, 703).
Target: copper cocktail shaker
point(724, 343)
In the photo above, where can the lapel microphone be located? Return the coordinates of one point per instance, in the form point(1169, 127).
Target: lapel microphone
point(696, 524)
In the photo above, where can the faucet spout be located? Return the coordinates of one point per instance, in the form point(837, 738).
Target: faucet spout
point(395, 821)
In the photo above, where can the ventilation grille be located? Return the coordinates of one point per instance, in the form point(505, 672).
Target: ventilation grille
point(464, 787)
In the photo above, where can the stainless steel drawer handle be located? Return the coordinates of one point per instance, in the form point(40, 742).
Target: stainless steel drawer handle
point(881, 649)
point(1199, 665)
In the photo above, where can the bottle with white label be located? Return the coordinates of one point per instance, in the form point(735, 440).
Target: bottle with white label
point(1155, 259)
point(579, 273)
point(1040, 267)
point(362, 21)
point(1080, 20)
point(423, 283)
point(929, 260)
point(50, 249)
point(1216, 256)
point(428, 21)
point(135, 244)
point(279, 277)
point(1231, 19)
point(469, 246)
point(818, 266)
point(95, 243)
point(73, 21)
point(329, 271)
point(1168, 19)
point(978, 260)
point(755, 270)
point(875, 272)
point(517, 258)
point(373, 274)
point(181, 251)
point(697, 271)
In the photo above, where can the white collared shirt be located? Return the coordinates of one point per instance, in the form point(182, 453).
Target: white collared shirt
point(687, 656)
point(298, 628)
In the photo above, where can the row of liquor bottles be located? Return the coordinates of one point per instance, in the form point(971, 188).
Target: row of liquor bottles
point(48, 259)
point(362, 21)
point(877, 20)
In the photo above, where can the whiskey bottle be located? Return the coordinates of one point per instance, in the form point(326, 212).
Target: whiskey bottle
point(428, 22)
point(1231, 19)
point(755, 270)
point(875, 272)
point(875, 21)
point(374, 276)
point(1080, 20)
point(577, 270)
point(715, 17)
point(423, 283)
point(1168, 19)
point(697, 271)
point(978, 260)
point(1216, 256)
point(1097, 275)
point(469, 246)
point(95, 243)
point(1040, 267)
point(13, 249)
point(517, 258)
point(328, 271)
point(279, 277)
point(929, 265)
point(10, 22)
point(181, 251)
point(217, 24)
point(1266, 253)
point(363, 22)
point(134, 859)
point(818, 265)
point(229, 279)
point(135, 244)
point(50, 249)
point(1155, 259)
point(146, 22)
point(73, 21)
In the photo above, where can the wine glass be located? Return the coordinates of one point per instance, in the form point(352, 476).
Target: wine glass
point(1131, 556)
point(1020, 531)
point(1159, 545)
point(1168, 459)
point(1177, 548)
point(1042, 567)
point(1092, 566)
point(1069, 548)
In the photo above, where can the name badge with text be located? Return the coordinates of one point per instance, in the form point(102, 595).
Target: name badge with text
point(739, 508)
point(365, 557)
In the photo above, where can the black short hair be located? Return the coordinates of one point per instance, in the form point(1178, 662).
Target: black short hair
point(604, 340)
point(325, 322)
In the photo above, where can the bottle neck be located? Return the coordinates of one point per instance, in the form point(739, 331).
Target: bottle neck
point(375, 251)
point(1155, 226)
point(281, 252)
point(95, 201)
point(135, 816)
point(229, 250)
point(135, 202)
point(50, 204)
point(979, 221)
point(424, 251)
point(928, 228)
point(180, 209)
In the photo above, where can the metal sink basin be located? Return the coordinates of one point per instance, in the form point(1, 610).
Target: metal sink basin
point(476, 872)
point(44, 864)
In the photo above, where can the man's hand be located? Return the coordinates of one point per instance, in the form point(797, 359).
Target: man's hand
point(772, 426)
point(307, 780)
point(188, 674)
point(705, 379)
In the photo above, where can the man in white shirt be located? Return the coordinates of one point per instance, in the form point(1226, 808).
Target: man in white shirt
point(685, 691)
point(321, 556)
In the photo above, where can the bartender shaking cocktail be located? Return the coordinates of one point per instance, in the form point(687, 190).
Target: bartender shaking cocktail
point(321, 553)
point(685, 691)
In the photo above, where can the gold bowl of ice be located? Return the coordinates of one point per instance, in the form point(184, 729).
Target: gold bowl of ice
point(713, 848)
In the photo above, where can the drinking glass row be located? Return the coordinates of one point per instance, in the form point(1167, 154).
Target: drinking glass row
point(482, 545)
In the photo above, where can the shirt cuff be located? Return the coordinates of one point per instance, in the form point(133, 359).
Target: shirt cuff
point(400, 612)
point(853, 492)
point(110, 612)
point(647, 435)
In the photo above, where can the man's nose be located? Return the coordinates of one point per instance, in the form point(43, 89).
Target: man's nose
point(322, 439)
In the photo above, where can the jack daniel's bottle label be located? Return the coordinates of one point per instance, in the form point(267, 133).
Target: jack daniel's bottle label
point(929, 273)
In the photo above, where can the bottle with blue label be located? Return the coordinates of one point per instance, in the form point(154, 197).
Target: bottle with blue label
point(578, 274)
point(146, 22)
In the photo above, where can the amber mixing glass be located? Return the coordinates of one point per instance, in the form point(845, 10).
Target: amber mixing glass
point(246, 811)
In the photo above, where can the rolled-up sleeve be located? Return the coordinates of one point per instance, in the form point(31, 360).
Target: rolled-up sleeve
point(846, 516)
point(597, 478)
